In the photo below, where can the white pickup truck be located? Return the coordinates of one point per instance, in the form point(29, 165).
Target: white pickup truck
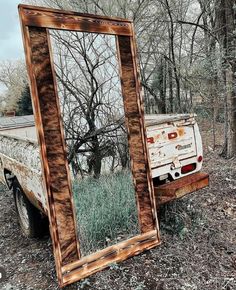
point(175, 150)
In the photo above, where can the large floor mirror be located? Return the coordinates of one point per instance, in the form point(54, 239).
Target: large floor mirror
point(89, 117)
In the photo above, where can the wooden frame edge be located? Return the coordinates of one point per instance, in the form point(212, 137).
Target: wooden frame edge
point(113, 254)
point(67, 20)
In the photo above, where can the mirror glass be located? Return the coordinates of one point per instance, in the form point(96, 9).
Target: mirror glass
point(92, 110)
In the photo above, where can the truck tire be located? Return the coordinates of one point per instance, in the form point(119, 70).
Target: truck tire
point(31, 221)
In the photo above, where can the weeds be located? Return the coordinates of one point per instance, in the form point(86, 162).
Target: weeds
point(106, 210)
point(180, 218)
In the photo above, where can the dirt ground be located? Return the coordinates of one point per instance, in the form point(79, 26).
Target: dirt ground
point(198, 248)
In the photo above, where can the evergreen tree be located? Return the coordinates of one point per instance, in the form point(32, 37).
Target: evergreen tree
point(24, 104)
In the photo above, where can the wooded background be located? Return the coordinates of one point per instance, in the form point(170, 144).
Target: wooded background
point(187, 57)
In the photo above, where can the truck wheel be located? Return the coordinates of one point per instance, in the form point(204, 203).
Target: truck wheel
point(31, 221)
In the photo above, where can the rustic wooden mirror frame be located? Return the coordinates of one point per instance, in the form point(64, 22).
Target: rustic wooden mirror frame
point(35, 23)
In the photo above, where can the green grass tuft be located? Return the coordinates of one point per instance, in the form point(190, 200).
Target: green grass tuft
point(106, 210)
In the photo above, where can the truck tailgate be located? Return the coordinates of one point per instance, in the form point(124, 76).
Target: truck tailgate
point(170, 142)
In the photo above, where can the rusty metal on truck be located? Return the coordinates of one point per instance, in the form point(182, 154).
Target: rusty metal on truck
point(175, 145)
point(176, 155)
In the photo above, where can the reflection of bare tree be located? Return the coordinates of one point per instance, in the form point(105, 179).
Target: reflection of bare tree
point(91, 102)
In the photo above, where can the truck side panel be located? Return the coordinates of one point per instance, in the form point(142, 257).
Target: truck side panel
point(21, 158)
point(29, 179)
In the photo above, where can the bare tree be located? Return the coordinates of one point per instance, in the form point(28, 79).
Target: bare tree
point(91, 102)
point(13, 80)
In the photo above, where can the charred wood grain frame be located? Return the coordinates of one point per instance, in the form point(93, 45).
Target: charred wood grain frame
point(35, 23)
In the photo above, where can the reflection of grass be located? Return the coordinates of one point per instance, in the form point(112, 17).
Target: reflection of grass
point(105, 209)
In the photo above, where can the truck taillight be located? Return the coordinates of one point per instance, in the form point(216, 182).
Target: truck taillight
point(150, 140)
point(188, 168)
point(200, 158)
point(172, 135)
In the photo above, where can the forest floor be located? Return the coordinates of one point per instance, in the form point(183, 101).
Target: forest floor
point(198, 249)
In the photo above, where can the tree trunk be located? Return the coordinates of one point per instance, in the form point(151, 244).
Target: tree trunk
point(97, 158)
point(172, 54)
point(171, 96)
point(226, 18)
point(163, 86)
point(230, 118)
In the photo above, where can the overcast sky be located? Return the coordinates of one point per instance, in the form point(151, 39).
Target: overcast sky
point(10, 33)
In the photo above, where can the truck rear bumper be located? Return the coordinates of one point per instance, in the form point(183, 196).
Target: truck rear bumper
point(178, 188)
